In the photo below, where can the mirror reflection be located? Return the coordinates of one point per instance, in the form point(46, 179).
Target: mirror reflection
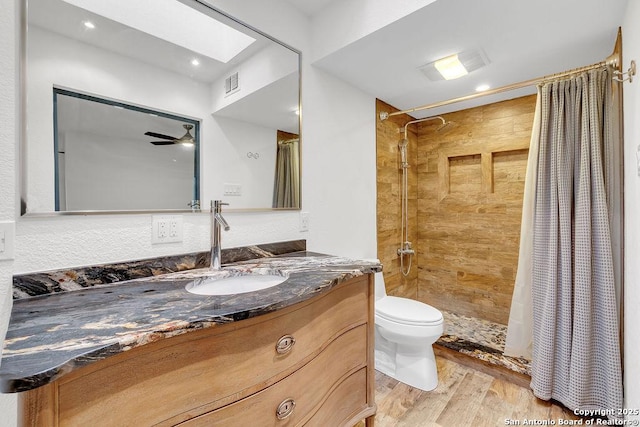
point(112, 87)
point(114, 156)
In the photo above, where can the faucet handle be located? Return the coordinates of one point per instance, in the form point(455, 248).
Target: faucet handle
point(216, 204)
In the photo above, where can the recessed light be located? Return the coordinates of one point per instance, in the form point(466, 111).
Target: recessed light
point(195, 62)
point(90, 25)
point(482, 88)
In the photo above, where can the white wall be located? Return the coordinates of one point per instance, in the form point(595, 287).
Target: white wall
point(8, 169)
point(631, 50)
point(237, 163)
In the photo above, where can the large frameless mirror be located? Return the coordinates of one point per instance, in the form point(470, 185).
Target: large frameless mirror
point(152, 105)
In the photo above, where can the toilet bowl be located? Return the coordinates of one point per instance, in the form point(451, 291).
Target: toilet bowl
point(405, 331)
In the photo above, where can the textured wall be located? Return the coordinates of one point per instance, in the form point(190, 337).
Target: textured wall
point(389, 184)
point(8, 153)
point(471, 182)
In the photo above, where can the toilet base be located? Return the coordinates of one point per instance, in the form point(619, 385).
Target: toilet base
point(414, 365)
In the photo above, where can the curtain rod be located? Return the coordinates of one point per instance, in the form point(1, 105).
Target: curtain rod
point(613, 60)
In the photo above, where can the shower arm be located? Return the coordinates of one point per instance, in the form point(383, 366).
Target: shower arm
point(444, 122)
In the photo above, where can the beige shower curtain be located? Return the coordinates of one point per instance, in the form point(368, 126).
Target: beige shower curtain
point(576, 348)
point(519, 341)
point(286, 189)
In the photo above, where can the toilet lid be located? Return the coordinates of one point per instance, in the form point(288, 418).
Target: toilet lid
point(407, 311)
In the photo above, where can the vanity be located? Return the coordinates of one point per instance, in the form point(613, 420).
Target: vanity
point(147, 352)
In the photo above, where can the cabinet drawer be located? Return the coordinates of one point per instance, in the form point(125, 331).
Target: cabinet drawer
point(207, 369)
point(345, 402)
point(311, 388)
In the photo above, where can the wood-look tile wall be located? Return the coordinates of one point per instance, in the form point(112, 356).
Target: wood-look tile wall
point(465, 204)
point(389, 178)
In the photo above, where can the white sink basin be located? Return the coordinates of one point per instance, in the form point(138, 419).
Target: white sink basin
point(238, 284)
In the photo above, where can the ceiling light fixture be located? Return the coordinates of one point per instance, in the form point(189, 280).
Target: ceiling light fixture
point(455, 66)
point(175, 22)
point(90, 25)
point(195, 62)
point(482, 88)
point(450, 67)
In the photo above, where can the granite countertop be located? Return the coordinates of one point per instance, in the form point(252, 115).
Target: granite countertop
point(51, 335)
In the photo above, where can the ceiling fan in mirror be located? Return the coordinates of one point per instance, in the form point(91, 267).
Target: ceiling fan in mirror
point(186, 139)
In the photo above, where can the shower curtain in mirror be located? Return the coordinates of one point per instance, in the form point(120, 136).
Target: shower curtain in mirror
point(286, 190)
point(576, 348)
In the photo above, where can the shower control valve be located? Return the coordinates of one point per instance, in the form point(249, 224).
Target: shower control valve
point(406, 249)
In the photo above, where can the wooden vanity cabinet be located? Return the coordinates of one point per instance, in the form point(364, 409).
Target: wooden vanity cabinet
point(309, 364)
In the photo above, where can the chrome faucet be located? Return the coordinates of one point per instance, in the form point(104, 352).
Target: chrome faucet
point(217, 220)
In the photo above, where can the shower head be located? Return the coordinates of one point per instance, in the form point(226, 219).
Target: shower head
point(446, 126)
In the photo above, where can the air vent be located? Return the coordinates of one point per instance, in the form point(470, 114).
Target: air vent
point(231, 84)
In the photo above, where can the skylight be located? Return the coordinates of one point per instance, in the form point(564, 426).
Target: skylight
point(174, 22)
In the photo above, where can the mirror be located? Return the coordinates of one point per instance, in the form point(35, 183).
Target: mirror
point(113, 90)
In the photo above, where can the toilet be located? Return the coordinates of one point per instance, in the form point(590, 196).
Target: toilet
point(405, 331)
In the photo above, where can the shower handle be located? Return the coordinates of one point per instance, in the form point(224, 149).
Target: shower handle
point(406, 249)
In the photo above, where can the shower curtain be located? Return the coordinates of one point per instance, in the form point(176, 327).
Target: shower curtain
point(519, 341)
point(575, 336)
point(286, 189)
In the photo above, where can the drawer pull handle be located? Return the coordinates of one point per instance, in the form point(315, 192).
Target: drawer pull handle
point(285, 344)
point(285, 408)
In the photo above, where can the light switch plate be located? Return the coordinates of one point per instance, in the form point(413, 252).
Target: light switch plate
point(7, 239)
point(232, 189)
point(305, 218)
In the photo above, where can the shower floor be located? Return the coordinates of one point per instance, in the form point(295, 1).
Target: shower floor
point(480, 339)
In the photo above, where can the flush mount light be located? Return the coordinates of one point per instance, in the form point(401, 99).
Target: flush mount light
point(195, 62)
point(90, 25)
point(175, 22)
point(450, 67)
point(455, 66)
point(482, 88)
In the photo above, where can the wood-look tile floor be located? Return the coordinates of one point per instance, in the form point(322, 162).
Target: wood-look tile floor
point(464, 397)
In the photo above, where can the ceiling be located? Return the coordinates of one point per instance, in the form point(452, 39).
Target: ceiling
point(310, 7)
point(522, 40)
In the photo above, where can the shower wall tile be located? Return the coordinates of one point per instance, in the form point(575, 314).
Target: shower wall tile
point(389, 184)
point(470, 185)
point(467, 240)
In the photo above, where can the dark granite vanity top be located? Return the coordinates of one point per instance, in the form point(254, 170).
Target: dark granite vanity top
point(53, 334)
